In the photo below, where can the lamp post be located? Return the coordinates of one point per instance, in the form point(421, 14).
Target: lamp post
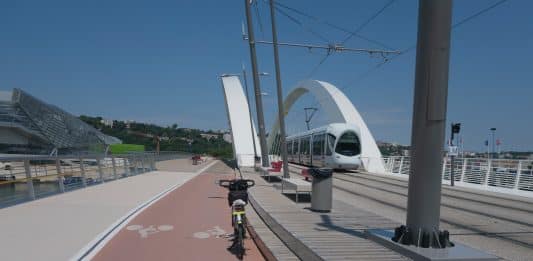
point(257, 87)
point(456, 127)
point(493, 131)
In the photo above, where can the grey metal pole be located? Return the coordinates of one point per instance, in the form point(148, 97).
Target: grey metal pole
point(249, 109)
point(60, 176)
point(134, 159)
point(114, 164)
point(257, 87)
point(29, 181)
point(82, 169)
point(493, 150)
point(281, 110)
point(142, 163)
point(452, 158)
point(125, 160)
point(429, 118)
point(100, 171)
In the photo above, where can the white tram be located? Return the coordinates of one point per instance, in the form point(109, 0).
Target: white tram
point(335, 146)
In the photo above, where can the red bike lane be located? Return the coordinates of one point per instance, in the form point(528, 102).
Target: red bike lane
point(190, 223)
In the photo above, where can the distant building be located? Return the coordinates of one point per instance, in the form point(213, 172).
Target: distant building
point(209, 136)
point(227, 137)
point(128, 123)
point(31, 126)
point(107, 122)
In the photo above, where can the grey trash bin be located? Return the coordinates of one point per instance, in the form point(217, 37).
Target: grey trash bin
point(321, 194)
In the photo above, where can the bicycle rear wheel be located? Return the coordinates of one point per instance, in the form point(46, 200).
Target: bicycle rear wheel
point(240, 241)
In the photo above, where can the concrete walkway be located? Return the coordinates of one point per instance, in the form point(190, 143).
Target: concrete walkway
point(57, 227)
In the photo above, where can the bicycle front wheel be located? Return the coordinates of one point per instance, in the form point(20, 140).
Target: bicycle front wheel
point(240, 241)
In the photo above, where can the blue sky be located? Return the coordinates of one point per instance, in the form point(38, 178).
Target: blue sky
point(158, 61)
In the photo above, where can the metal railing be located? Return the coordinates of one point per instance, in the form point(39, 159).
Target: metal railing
point(499, 175)
point(24, 178)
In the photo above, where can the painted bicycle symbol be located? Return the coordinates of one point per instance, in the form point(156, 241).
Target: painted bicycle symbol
point(146, 231)
point(216, 231)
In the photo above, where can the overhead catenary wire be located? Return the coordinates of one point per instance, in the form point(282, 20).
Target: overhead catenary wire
point(354, 33)
point(331, 25)
point(413, 47)
point(301, 24)
point(259, 20)
point(368, 21)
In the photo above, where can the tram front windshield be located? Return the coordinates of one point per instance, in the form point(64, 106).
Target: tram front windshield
point(348, 144)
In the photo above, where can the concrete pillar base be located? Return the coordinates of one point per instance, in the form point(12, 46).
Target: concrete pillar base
point(458, 252)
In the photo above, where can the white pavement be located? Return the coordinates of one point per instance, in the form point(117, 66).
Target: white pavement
point(58, 227)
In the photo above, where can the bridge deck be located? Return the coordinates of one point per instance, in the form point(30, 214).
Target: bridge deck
point(333, 236)
point(57, 227)
point(496, 223)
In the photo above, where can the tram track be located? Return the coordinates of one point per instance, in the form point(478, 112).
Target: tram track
point(496, 201)
point(449, 205)
point(450, 214)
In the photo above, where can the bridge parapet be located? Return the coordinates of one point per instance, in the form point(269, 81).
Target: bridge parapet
point(24, 178)
point(497, 175)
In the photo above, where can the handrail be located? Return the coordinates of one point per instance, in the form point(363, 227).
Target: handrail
point(498, 175)
point(57, 174)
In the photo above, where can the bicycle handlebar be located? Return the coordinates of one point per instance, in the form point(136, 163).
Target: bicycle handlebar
point(236, 184)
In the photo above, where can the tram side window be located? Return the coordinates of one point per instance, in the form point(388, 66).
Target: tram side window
point(330, 144)
point(318, 142)
point(291, 147)
point(348, 144)
point(305, 145)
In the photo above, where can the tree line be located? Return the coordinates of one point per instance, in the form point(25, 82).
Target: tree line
point(172, 138)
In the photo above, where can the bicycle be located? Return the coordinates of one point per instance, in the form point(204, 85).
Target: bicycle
point(237, 200)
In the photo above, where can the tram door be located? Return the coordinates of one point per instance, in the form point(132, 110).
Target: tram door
point(305, 150)
point(289, 150)
point(318, 150)
point(299, 152)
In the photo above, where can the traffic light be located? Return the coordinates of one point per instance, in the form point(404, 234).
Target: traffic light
point(456, 127)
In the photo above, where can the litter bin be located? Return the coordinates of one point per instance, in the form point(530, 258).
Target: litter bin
point(321, 193)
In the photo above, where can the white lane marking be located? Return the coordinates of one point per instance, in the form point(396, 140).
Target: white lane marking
point(165, 227)
point(215, 231)
point(144, 232)
point(134, 227)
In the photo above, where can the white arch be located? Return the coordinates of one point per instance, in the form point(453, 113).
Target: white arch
point(339, 109)
point(239, 122)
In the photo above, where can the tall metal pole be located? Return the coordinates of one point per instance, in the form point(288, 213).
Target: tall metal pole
point(257, 87)
point(429, 118)
point(493, 148)
point(281, 111)
point(249, 109)
point(452, 158)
